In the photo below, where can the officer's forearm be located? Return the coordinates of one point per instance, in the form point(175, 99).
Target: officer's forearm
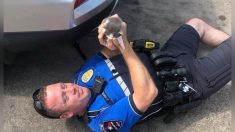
point(145, 90)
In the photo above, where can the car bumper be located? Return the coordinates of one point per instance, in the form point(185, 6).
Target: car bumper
point(22, 41)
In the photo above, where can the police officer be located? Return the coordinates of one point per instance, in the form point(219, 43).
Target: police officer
point(115, 89)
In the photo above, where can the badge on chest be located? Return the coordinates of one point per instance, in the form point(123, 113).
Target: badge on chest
point(87, 75)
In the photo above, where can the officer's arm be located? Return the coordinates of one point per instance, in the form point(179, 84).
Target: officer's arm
point(144, 88)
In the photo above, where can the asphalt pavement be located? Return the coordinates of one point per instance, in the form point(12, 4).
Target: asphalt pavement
point(152, 19)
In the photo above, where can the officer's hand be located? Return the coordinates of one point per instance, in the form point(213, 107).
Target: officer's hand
point(109, 43)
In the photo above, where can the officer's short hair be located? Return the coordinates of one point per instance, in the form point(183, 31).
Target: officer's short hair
point(42, 95)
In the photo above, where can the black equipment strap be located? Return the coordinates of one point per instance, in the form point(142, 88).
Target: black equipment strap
point(93, 113)
point(107, 99)
point(98, 88)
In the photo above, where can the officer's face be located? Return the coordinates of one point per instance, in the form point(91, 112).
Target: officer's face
point(67, 97)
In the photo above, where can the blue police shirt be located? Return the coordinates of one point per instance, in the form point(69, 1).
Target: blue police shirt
point(122, 114)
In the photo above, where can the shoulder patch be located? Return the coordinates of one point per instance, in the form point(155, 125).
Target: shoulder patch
point(87, 75)
point(110, 126)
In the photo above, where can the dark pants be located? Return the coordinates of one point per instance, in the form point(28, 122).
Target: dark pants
point(209, 73)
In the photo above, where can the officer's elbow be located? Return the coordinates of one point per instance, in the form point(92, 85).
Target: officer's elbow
point(153, 92)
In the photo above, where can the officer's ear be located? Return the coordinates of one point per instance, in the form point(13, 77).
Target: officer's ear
point(66, 115)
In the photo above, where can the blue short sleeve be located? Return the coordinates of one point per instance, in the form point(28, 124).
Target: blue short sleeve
point(121, 116)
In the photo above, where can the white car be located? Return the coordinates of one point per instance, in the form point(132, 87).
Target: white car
point(30, 23)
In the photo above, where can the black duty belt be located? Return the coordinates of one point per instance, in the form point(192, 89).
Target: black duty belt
point(178, 95)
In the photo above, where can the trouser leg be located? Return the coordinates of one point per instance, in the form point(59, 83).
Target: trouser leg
point(214, 70)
